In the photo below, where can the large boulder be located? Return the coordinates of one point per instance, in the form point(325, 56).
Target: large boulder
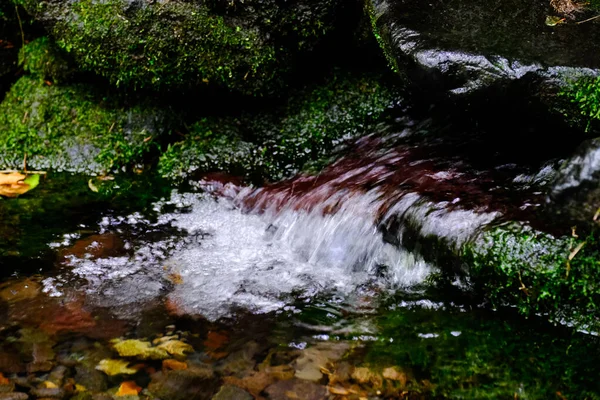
point(574, 195)
point(243, 46)
point(72, 127)
point(465, 45)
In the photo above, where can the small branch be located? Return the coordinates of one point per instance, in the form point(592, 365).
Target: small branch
point(587, 20)
point(20, 26)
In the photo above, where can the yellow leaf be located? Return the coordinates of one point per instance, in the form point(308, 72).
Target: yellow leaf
point(115, 367)
point(11, 178)
point(176, 347)
point(80, 388)
point(128, 388)
point(49, 385)
point(14, 184)
point(139, 349)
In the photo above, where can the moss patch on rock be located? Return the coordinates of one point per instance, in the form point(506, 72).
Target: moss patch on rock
point(42, 59)
point(540, 275)
point(179, 44)
point(72, 128)
point(277, 143)
point(584, 97)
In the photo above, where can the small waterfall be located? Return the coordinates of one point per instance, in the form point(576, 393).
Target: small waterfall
point(352, 230)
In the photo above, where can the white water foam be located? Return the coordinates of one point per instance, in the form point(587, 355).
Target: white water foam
point(258, 262)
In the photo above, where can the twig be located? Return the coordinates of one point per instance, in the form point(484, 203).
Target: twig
point(20, 26)
point(587, 20)
point(523, 287)
point(572, 256)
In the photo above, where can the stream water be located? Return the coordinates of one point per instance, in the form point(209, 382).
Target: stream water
point(304, 289)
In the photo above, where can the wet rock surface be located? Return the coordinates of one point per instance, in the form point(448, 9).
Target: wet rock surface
point(574, 195)
point(470, 44)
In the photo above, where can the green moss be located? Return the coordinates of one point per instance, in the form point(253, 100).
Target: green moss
point(278, 143)
point(480, 355)
point(517, 266)
point(584, 94)
point(373, 17)
point(71, 128)
point(162, 44)
point(42, 59)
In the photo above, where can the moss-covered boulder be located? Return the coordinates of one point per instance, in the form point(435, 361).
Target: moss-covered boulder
point(277, 142)
point(74, 127)
point(515, 265)
point(243, 46)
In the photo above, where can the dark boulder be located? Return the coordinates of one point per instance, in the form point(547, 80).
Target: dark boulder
point(574, 195)
point(462, 46)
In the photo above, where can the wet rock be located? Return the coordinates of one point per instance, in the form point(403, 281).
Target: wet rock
point(16, 291)
point(296, 389)
point(194, 383)
point(254, 383)
point(14, 396)
point(230, 392)
point(51, 393)
point(308, 365)
point(365, 375)
point(10, 363)
point(456, 46)
point(95, 246)
point(240, 362)
point(102, 396)
point(394, 374)
point(57, 375)
point(82, 396)
point(574, 195)
point(92, 379)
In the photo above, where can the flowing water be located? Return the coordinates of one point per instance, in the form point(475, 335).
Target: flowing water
point(316, 287)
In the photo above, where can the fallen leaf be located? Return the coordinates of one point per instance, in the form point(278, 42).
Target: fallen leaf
point(80, 388)
point(140, 349)
point(174, 365)
point(176, 347)
point(163, 339)
point(14, 184)
point(128, 388)
point(49, 385)
point(3, 380)
point(11, 178)
point(115, 367)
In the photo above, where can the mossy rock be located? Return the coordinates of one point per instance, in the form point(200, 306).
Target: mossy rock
point(278, 142)
point(244, 46)
point(42, 59)
point(539, 274)
point(73, 128)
